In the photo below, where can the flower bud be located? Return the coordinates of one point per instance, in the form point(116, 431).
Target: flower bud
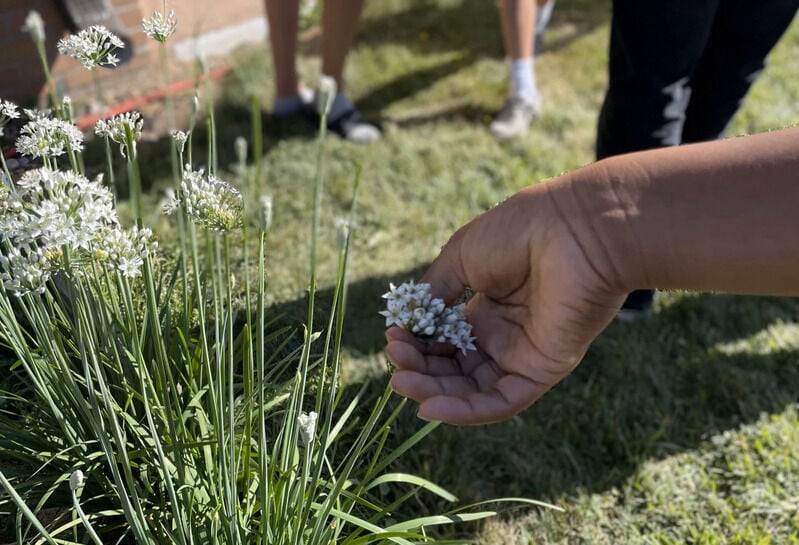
point(75, 480)
point(307, 424)
point(342, 233)
point(240, 145)
point(265, 213)
point(34, 25)
point(326, 94)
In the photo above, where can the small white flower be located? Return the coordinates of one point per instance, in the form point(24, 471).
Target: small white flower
point(92, 47)
point(119, 128)
point(412, 307)
point(8, 110)
point(160, 26)
point(209, 201)
point(48, 137)
point(34, 113)
point(180, 138)
point(307, 425)
point(34, 25)
point(75, 480)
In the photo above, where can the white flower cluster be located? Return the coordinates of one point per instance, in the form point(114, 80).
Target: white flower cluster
point(160, 26)
point(93, 46)
point(8, 110)
point(208, 201)
point(52, 215)
point(119, 127)
point(48, 137)
point(411, 306)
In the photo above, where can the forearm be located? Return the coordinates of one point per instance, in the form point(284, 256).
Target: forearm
point(718, 216)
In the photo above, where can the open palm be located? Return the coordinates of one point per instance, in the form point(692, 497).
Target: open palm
point(538, 304)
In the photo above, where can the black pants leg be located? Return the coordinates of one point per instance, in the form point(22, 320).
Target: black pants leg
point(655, 47)
point(743, 34)
point(679, 70)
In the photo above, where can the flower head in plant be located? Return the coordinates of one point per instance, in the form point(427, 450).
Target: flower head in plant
point(411, 306)
point(208, 201)
point(8, 110)
point(92, 47)
point(52, 215)
point(48, 137)
point(160, 26)
point(34, 25)
point(180, 138)
point(307, 425)
point(35, 113)
point(119, 128)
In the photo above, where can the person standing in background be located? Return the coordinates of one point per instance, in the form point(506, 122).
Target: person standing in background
point(523, 23)
point(339, 22)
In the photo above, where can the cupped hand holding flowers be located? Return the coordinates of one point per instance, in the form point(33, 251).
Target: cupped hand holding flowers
point(539, 302)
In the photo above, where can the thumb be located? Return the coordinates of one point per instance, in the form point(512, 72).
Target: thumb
point(446, 275)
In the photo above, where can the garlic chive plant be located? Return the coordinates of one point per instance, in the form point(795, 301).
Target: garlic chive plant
point(157, 404)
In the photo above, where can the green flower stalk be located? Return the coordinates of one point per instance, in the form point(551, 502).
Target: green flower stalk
point(34, 25)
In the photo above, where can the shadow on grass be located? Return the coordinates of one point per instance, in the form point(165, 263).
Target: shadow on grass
point(646, 390)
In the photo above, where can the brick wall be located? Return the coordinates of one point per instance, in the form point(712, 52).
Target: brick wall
point(206, 26)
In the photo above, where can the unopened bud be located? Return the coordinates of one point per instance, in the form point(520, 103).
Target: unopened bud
point(34, 25)
point(265, 213)
point(307, 425)
point(240, 145)
point(326, 94)
point(342, 233)
point(75, 480)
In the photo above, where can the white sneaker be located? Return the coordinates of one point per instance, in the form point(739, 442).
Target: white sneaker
point(514, 118)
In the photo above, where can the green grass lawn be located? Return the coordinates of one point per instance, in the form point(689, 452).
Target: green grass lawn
point(679, 428)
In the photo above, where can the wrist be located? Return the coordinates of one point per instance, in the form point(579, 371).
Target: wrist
point(598, 209)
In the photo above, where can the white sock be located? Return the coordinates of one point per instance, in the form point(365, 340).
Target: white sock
point(522, 80)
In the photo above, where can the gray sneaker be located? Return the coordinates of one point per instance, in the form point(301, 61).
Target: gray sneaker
point(514, 118)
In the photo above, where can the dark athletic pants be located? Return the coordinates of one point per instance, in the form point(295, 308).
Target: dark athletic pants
point(679, 69)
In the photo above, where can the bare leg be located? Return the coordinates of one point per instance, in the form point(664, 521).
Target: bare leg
point(517, 18)
point(283, 18)
point(518, 24)
point(339, 22)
